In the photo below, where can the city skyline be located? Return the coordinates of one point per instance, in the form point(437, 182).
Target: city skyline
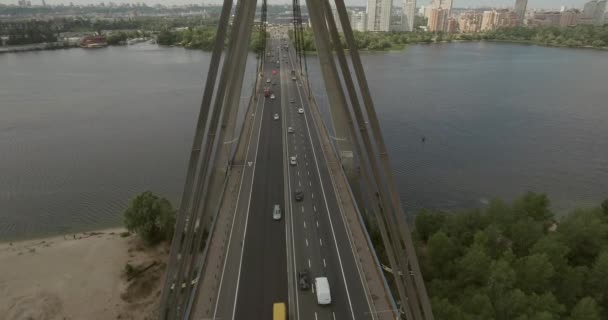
point(532, 4)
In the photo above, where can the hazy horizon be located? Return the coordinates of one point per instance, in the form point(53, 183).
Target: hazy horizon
point(547, 4)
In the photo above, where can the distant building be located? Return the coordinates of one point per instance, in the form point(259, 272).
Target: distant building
point(470, 22)
point(596, 11)
point(520, 10)
point(547, 19)
point(379, 15)
point(495, 19)
point(438, 20)
point(569, 18)
point(452, 25)
point(487, 22)
point(358, 20)
point(409, 14)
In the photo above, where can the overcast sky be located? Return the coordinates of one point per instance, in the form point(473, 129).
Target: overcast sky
point(548, 4)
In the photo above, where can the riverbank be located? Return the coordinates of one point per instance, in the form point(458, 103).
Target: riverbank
point(79, 276)
point(37, 47)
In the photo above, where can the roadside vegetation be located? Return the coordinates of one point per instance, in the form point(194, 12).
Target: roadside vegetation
point(579, 36)
point(151, 217)
point(515, 261)
point(203, 38)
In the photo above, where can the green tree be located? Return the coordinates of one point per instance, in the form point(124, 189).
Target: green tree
point(605, 207)
point(441, 252)
point(443, 309)
point(586, 309)
point(151, 217)
point(479, 307)
point(524, 233)
point(534, 273)
point(584, 232)
point(427, 223)
point(473, 267)
point(555, 250)
point(570, 284)
point(598, 279)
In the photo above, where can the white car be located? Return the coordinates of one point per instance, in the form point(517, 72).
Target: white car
point(292, 160)
point(276, 212)
point(276, 116)
point(290, 130)
point(272, 96)
point(300, 111)
point(268, 80)
point(293, 78)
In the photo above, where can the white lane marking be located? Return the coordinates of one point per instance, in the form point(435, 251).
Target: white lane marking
point(295, 148)
point(317, 223)
point(302, 208)
point(315, 312)
point(312, 195)
point(310, 183)
point(331, 225)
point(307, 163)
point(314, 207)
point(306, 242)
point(334, 315)
point(308, 172)
point(298, 173)
point(309, 263)
point(238, 279)
point(291, 223)
point(304, 224)
point(324, 264)
point(300, 183)
point(320, 242)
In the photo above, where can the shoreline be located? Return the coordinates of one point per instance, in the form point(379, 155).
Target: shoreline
point(57, 277)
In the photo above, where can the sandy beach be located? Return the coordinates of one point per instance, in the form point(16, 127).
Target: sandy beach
point(79, 276)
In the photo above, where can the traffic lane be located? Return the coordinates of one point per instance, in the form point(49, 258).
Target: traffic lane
point(353, 273)
point(359, 299)
point(320, 241)
point(307, 251)
point(317, 239)
point(227, 286)
point(304, 239)
point(263, 278)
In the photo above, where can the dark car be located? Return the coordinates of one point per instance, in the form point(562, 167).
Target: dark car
point(303, 280)
point(299, 195)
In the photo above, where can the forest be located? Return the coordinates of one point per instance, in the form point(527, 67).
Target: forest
point(579, 36)
point(515, 261)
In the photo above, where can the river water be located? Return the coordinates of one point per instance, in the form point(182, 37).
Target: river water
point(82, 131)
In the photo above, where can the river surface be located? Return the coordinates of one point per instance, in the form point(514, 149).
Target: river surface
point(83, 131)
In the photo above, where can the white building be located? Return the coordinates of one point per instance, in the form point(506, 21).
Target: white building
point(358, 21)
point(379, 15)
point(409, 14)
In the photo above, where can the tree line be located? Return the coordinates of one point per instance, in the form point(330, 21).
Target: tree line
point(579, 36)
point(515, 261)
point(204, 38)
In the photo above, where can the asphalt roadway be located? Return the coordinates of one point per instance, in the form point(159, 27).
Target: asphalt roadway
point(321, 243)
point(264, 255)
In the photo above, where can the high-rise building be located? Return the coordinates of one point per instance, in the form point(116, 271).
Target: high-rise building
point(438, 20)
point(409, 14)
point(379, 15)
point(520, 10)
point(568, 18)
point(358, 20)
point(442, 4)
point(595, 10)
point(488, 21)
point(452, 25)
point(470, 22)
